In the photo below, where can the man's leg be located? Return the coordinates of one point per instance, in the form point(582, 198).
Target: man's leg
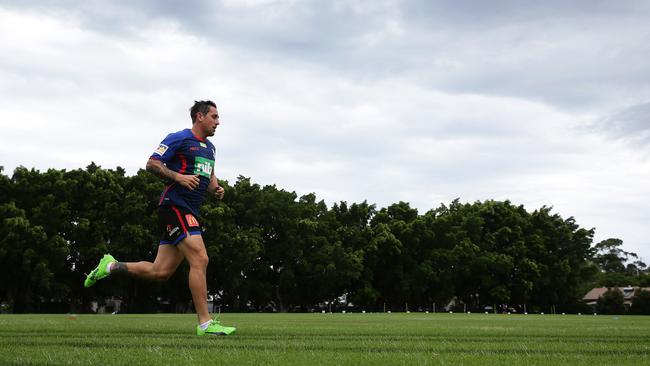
point(194, 251)
point(193, 248)
point(167, 261)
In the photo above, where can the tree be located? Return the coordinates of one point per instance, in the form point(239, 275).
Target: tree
point(641, 303)
point(611, 302)
point(234, 244)
point(388, 256)
point(269, 248)
point(332, 262)
point(561, 250)
point(611, 258)
point(28, 260)
point(614, 279)
point(5, 187)
point(616, 267)
point(644, 280)
point(352, 229)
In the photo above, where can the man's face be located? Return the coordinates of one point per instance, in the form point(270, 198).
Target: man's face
point(209, 121)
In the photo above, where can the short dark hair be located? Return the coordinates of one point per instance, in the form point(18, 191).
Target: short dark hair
point(201, 106)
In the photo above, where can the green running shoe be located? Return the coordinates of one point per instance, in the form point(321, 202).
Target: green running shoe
point(215, 329)
point(100, 271)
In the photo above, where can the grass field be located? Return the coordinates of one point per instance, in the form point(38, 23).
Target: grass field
point(327, 339)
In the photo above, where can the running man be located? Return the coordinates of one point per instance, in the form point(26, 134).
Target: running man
point(185, 160)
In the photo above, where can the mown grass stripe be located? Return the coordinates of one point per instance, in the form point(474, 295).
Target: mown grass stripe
point(327, 339)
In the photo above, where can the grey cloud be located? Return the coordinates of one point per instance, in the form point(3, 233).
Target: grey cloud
point(118, 17)
point(475, 14)
point(567, 54)
point(366, 99)
point(631, 124)
point(551, 52)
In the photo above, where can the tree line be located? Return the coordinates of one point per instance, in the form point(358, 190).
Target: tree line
point(271, 250)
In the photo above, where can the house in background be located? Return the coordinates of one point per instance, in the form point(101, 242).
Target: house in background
point(591, 298)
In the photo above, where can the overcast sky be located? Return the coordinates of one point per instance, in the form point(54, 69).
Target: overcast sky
point(542, 103)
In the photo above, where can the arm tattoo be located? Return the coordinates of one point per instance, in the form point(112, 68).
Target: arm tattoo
point(158, 169)
point(119, 267)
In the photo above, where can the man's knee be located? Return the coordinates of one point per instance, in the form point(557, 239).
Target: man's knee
point(200, 261)
point(194, 251)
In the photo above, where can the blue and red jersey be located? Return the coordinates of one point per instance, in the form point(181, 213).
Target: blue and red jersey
point(186, 154)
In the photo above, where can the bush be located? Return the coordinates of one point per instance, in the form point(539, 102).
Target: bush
point(641, 303)
point(612, 302)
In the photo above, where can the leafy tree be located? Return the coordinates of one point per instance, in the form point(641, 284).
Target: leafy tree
point(352, 228)
point(615, 279)
point(5, 187)
point(644, 280)
point(233, 248)
point(28, 260)
point(561, 252)
point(615, 267)
point(330, 266)
point(275, 214)
point(270, 248)
point(611, 258)
point(611, 302)
point(389, 259)
point(641, 303)
point(636, 268)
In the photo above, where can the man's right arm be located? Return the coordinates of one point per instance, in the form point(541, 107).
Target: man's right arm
point(157, 168)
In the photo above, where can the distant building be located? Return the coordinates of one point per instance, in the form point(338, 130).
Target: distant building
point(591, 298)
point(109, 305)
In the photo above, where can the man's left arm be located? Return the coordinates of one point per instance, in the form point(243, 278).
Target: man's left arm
point(214, 188)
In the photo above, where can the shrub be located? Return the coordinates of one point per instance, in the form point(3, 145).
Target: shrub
point(612, 302)
point(641, 303)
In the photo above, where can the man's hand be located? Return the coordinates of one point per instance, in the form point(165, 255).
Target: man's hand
point(190, 182)
point(214, 187)
point(218, 192)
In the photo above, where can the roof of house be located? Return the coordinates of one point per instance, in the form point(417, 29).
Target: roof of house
point(628, 292)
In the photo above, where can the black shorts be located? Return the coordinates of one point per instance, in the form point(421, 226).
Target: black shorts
point(176, 223)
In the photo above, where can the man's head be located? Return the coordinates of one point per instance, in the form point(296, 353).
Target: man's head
point(205, 117)
point(201, 106)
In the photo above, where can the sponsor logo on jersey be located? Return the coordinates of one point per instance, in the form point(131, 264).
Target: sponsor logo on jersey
point(162, 148)
point(203, 145)
point(203, 166)
point(191, 220)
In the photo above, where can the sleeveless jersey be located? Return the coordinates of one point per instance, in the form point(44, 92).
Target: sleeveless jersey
point(186, 154)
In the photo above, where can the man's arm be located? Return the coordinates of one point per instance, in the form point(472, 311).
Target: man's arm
point(214, 187)
point(157, 168)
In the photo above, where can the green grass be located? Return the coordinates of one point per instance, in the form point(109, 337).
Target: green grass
point(327, 339)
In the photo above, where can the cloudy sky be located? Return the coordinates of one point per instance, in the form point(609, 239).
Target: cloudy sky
point(418, 101)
